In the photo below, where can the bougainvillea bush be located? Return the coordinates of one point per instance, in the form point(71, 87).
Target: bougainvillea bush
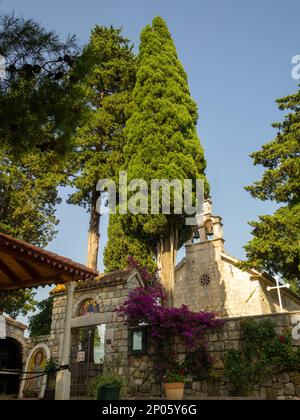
point(146, 305)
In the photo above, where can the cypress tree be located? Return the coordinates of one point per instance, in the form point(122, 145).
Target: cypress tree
point(121, 245)
point(162, 142)
point(275, 246)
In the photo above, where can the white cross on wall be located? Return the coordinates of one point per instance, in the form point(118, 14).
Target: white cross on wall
point(278, 287)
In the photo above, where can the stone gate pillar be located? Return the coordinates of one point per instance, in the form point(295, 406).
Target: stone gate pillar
point(63, 378)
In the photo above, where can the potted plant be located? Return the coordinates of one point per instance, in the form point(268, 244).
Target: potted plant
point(107, 387)
point(51, 368)
point(174, 385)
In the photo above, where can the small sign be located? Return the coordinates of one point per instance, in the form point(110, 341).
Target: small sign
point(138, 341)
point(137, 344)
point(2, 327)
point(81, 356)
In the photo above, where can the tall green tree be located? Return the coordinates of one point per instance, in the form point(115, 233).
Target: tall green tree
point(39, 112)
point(109, 66)
point(275, 246)
point(162, 142)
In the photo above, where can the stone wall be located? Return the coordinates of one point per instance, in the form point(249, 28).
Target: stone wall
point(108, 297)
point(285, 385)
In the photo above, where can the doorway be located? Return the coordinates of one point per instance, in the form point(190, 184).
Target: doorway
point(87, 355)
point(10, 360)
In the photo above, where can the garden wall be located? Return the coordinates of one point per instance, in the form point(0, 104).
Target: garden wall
point(285, 385)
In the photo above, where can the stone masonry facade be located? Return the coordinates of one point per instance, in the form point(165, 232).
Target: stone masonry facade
point(285, 385)
point(109, 295)
point(138, 371)
point(208, 279)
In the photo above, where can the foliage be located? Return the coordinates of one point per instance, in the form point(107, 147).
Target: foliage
point(174, 371)
point(37, 100)
point(107, 66)
point(51, 366)
point(263, 353)
point(28, 195)
point(145, 305)
point(275, 244)
point(198, 362)
point(149, 277)
point(17, 303)
point(39, 112)
point(162, 142)
point(121, 245)
point(103, 381)
point(40, 324)
point(34, 109)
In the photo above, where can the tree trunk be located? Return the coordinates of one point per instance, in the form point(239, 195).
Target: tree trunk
point(94, 232)
point(166, 258)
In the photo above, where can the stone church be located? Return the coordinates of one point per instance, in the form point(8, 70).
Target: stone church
point(209, 279)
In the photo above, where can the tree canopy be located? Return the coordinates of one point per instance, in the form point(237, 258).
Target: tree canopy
point(162, 141)
point(108, 65)
point(120, 246)
point(37, 100)
point(275, 246)
point(39, 113)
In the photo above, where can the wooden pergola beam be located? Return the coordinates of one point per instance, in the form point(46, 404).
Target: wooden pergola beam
point(9, 273)
point(31, 271)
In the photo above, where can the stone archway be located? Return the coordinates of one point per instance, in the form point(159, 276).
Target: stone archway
point(10, 361)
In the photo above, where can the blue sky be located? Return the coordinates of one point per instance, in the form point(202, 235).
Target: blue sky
point(237, 55)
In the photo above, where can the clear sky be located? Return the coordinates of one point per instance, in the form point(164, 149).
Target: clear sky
point(237, 55)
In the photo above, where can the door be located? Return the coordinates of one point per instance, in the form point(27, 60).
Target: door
point(10, 366)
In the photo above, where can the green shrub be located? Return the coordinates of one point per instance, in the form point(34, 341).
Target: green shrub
point(263, 353)
point(102, 381)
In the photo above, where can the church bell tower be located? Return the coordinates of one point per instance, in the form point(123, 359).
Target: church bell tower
point(210, 227)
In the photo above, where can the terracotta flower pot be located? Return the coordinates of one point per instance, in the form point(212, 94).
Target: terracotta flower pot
point(174, 391)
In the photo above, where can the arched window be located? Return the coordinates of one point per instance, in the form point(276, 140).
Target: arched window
point(88, 306)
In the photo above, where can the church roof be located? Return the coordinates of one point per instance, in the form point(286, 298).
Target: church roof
point(110, 279)
point(23, 265)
